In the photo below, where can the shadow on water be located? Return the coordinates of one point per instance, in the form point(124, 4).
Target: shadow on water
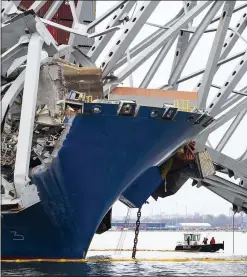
point(91, 268)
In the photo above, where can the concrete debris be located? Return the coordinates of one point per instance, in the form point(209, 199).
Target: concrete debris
point(57, 103)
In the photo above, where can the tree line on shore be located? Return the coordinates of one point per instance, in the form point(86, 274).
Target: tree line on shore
point(221, 220)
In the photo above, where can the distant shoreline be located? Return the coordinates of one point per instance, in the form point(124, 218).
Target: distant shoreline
point(185, 230)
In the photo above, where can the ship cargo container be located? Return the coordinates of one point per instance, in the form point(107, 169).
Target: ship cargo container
point(64, 17)
point(63, 12)
point(60, 36)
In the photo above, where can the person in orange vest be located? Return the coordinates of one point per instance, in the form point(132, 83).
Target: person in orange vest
point(212, 241)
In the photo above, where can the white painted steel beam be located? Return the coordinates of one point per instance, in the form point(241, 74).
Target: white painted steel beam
point(101, 42)
point(223, 119)
point(78, 13)
point(231, 130)
point(127, 35)
point(229, 85)
point(74, 11)
point(240, 7)
point(105, 15)
point(174, 30)
point(193, 42)
point(156, 64)
point(145, 43)
point(223, 183)
point(215, 54)
point(229, 196)
point(239, 168)
point(227, 47)
point(52, 10)
point(201, 71)
point(183, 40)
point(30, 92)
point(12, 93)
point(37, 5)
point(233, 99)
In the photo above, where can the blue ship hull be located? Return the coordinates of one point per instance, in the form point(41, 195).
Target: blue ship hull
point(103, 157)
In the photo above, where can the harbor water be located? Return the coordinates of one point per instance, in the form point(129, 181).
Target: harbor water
point(155, 257)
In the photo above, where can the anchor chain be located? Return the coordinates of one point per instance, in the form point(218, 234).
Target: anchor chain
point(136, 233)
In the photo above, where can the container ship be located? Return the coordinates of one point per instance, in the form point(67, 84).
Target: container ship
point(106, 151)
point(85, 156)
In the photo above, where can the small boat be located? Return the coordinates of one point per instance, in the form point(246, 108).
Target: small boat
point(196, 246)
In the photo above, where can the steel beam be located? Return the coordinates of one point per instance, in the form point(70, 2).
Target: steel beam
point(15, 65)
point(175, 29)
point(227, 47)
point(101, 42)
point(17, 51)
point(240, 7)
point(230, 130)
point(215, 54)
point(37, 5)
point(30, 92)
point(222, 120)
point(193, 42)
point(105, 15)
point(79, 13)
point(129, 32)
point(12, 93)
point(243, 158)
point(183, 40)
point(225, 184)
point(74, 12)
point(228, 196)
point(9, 7)
point(156, 64)
point(52, 10)
point(231, 101)
point(229, 85)
point(145, 43)
point(201, 71)
point(239, 168)
point(219, 87)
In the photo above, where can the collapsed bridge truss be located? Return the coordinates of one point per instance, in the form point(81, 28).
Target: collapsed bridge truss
point(27, 45)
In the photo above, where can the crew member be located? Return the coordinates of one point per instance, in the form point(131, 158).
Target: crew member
point(212, 241)
point(188, 240)
point(205, 241)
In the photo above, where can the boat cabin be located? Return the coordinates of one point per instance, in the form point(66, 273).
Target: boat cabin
point(194, 238)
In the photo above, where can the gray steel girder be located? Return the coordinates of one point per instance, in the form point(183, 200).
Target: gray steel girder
point(229, 85)
point(201, 71)
point(156, 45)
point(227, 195)
point(222, 143)
point(127, 35)
point(7, 59)
point(183, 40)
point(145, 43)
point(193, 42)
point(21, 172)
point(238, 167)
point(227, 47)
point(52, 10)
point(102, 41)
point(215, 54)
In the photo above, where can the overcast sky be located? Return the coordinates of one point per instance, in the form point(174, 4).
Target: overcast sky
point(196, 200)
